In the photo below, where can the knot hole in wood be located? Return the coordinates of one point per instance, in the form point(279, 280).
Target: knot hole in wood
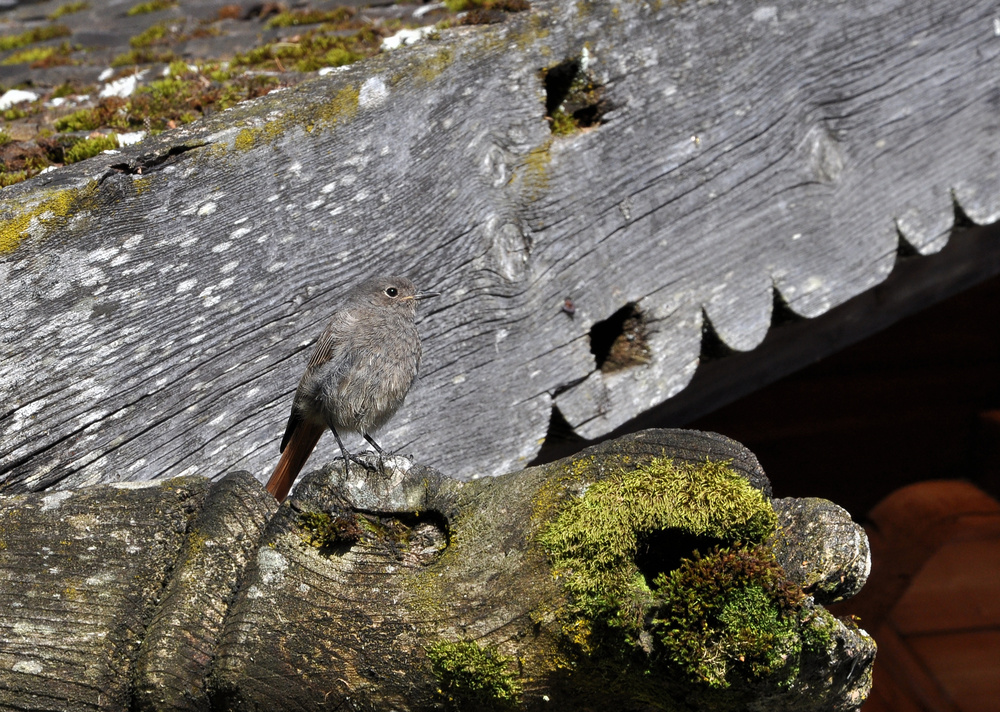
point(662, 550)
point(621, 340)
point(574, 100)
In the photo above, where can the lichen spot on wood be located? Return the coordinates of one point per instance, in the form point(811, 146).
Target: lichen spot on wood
point(52, 211)
point(326, 531)
point(473, 677)
point(621, 340)
point(343, 106)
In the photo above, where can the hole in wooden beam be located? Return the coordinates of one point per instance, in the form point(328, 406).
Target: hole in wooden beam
point(620, 341)
point(661, 551)
point(573, 99)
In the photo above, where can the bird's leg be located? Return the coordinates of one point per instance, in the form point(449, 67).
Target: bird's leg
point(343, 451)
point(374, 444)
point(380, 451)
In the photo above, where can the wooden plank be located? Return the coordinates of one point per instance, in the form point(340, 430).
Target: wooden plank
point(80, 576)
point(971, 256)
point(159, 301)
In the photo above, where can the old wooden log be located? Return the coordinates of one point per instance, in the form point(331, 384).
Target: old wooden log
point(158, 302)
point(561, 587)
point(111, 592)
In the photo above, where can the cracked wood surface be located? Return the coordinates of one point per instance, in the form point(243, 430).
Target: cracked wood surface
point(160, 302)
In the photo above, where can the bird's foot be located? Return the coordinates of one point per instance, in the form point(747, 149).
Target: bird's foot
point(366, 461)
point(384, 463)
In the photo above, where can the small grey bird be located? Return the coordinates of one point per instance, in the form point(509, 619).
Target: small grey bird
point(358, 375)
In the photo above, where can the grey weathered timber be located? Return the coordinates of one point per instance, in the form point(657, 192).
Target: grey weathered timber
point(971, 256)
point(188, 595)
point(159, 302)
point(80, 573)
point(821, 548)
point(180, 640)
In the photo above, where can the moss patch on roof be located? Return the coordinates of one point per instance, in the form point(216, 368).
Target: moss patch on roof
point(37, 34)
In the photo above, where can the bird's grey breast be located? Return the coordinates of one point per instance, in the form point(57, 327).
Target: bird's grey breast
point(374, 359)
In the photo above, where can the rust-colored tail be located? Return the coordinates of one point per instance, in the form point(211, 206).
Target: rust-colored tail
point(293, 457)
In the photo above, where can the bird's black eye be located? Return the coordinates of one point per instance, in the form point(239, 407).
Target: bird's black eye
point(391, 291)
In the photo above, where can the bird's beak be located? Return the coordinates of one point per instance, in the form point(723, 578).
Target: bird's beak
point(425, 295)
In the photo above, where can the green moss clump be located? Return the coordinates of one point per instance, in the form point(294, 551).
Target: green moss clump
point(38, 34)
point(151, 6)
point(136, 57)
point(68, 9)
point(310, 17)
point(32, 54)
point(170, 98)
point(90, 147)
point(473, 677)
point(12, 177)
point(562, 123)
point(42, 56)
point(729, 618)
point(148, 37)
point(731, 612)
point(145, 55)
point(594, 541)
point(323, 530)
point(179, 68)
point(166, 103)
point(82, 120)
point(312, 51)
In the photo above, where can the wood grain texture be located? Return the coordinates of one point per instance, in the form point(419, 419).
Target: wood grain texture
point(80, 574)
point(180, 640)
point(157, 315)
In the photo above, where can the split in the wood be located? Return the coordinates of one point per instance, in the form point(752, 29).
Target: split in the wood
point(574, 100)
point(150, 162)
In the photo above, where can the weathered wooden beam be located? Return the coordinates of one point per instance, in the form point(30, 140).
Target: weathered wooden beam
point(158, 302)
point(558, 587)
point(917, 282)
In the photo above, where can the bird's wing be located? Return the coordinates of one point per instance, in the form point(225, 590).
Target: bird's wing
point(321, 353)
point(329, 347)
point(323, 350)
point(293, 422)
